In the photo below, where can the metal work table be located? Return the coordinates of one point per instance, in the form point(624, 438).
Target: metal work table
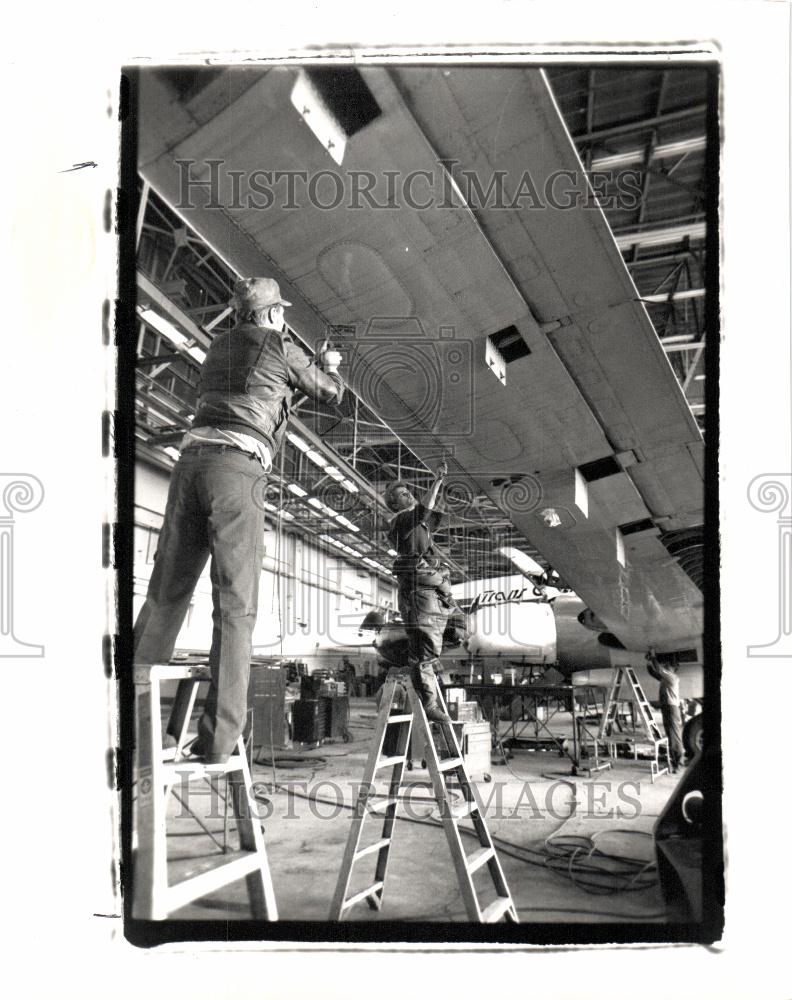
point(530, 696)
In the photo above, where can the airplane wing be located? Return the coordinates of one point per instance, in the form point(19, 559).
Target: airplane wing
point(501, 319)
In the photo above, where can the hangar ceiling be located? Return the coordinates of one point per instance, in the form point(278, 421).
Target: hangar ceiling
point(649, 121)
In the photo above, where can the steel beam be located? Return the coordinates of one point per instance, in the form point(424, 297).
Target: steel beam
point(158, 298)
point(661, 152)
point(640, 124)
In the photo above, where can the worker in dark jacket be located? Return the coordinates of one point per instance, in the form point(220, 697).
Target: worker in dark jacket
point(670, 706)
point(215, 506)
point(424, 592)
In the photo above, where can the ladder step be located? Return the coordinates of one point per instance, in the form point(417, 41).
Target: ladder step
point(372, 848)
point(195, 767)
point(364, 894)
point(388, 761)
point(181, 893)
point(398, 718)
point(450, 764)
point(475, 860)
point(495, 911)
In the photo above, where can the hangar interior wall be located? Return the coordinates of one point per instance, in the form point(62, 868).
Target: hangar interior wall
point(310, 601)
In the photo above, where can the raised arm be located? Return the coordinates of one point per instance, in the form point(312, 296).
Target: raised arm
point(431, 497)
point(653, 666)
point(325, 386)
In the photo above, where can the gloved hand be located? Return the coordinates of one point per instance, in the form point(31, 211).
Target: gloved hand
point(327, 357)
point(330, 360)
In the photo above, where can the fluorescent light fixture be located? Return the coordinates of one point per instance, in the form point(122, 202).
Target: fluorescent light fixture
point(286, 515)
point(269, 506)
point(298, 491)
point(349, 485)
point(679, 338)
point(699, 378)
point(347, 523)
point(315, 503)
point(335, 473)
point(198, 353)
point(173, 452)
point(392, 552)
point(355, 553)
point(298, 442)
point(163, 326)
point(317, 459)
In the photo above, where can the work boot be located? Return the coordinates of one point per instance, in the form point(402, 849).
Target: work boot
point(434, 713)
point(425, 682)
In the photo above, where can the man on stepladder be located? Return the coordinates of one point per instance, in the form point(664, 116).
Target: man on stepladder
point(425, 599)
point(215, 501)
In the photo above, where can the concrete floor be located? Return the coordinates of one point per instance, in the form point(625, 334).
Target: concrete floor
point(532, 800)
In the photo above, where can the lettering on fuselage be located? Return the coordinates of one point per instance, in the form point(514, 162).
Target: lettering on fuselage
point(490, 597)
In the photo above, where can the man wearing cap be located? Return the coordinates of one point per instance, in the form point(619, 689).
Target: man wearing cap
point(424, 592)
point(215, 501)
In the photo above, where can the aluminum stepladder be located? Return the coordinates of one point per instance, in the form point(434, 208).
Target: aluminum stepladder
point(610, 713)
point(453, 765)
point(158, 769)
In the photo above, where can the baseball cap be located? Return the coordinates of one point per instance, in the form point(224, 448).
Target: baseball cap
point(257, 293)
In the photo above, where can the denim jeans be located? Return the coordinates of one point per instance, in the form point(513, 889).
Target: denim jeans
point(214, 510)
point(425, 619)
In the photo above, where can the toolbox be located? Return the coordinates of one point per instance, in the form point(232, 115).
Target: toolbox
point(308, 721)
point(336, 713)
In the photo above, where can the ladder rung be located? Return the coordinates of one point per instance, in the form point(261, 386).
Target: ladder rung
point(364, 894)
point(372, 848)
point(388, 761)
point(475, 860)
point(398, 718)
point(495, 910)
point(381, 806)
point(450, 764)
point(184, 892)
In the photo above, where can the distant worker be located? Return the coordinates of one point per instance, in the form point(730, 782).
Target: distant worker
point(348, 673)
point(425, 598)
point(670, 704)
point(215, 501)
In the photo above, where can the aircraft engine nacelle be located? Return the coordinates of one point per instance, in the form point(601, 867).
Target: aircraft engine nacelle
point(537, 632)
point(520, 631)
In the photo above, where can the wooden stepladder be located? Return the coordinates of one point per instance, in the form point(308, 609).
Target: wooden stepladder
point(450, 764)
point(654, 736)
point(158, 769)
